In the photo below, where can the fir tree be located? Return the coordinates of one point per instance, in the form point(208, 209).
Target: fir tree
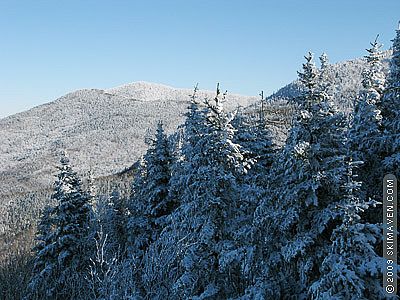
point(255, 139)
point(150, 202)
point(366, 130)
point(391, 111)
point(257, 146)
point(113, 222)
point(96, 212)
point(324, 61)
point(293, 221)
point(190, 132)
point(42, 284)
point(325, 77)
point(210, 208)
point(352, 269)
point(66, 237)
point(139, 231)
point(72, 216)
point(158, 162)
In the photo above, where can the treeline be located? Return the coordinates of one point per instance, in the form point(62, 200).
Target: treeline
point(218, 211)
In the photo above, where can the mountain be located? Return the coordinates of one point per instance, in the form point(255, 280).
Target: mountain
point(344, 85)
point(105, 130)
point(344, 82)
point(101, 130)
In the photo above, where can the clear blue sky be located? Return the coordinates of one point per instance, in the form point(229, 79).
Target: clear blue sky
point(49, 48)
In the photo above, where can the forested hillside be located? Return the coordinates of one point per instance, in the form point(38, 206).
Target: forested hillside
point(344, 79)
point(190, 198)
point(103, 130)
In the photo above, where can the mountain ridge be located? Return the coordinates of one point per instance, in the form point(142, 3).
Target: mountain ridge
point(132, 87)
point(103, 130)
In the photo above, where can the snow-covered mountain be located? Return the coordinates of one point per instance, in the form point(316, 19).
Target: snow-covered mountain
point(344, 82)
point(344, 86)
point(102, 130)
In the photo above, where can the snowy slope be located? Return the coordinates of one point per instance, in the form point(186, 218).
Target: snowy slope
point(344, 86)
point(345, 82)
point(102, 130)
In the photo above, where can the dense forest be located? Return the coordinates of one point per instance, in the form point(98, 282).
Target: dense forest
point(219, 210)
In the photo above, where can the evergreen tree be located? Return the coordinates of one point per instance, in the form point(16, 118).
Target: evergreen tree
point(139, 231)
point(158, 254)
point(190, 132)
point(210, 211)
point(158, 162)
point(324, 61)
point(96, 212)
point(113, 222)
point(255, 139)
point(325, 77)
point(391, 111)
point(42, 284)
point(72, 216)
point(352, 269)
point(66, 237)
point(176, 141)
point(366, 130)
point(258, 148)
point(293, 222)
point(150, 203)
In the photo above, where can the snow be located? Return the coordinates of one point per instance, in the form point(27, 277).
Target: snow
point(217, 205)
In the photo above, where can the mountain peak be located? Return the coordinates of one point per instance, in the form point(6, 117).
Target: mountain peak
point(103, 130)
point(141, 85)
point(142, 90)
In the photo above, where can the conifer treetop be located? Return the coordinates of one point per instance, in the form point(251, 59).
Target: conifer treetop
point(373, 77)
point(324, 61)
point(314, 90)
point(394, 76)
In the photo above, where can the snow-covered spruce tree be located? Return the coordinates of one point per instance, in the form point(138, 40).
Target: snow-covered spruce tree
point(324, 61)
point(293, 223)
point(113, 220)
point(210, 210)
point(175, 141)
point(255, 139)
point(257, 147)
point(390, 108)
point(42, 284)
point(190, 130)
point(150, 204)
point(95, 217)
point(352, 269)
point(161, 260)
point(366, 129)
point(158, 161)
point(66, 238)
point(325, 78)
point(139, 231)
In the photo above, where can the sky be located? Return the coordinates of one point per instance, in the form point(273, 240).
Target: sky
point(50, 48)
